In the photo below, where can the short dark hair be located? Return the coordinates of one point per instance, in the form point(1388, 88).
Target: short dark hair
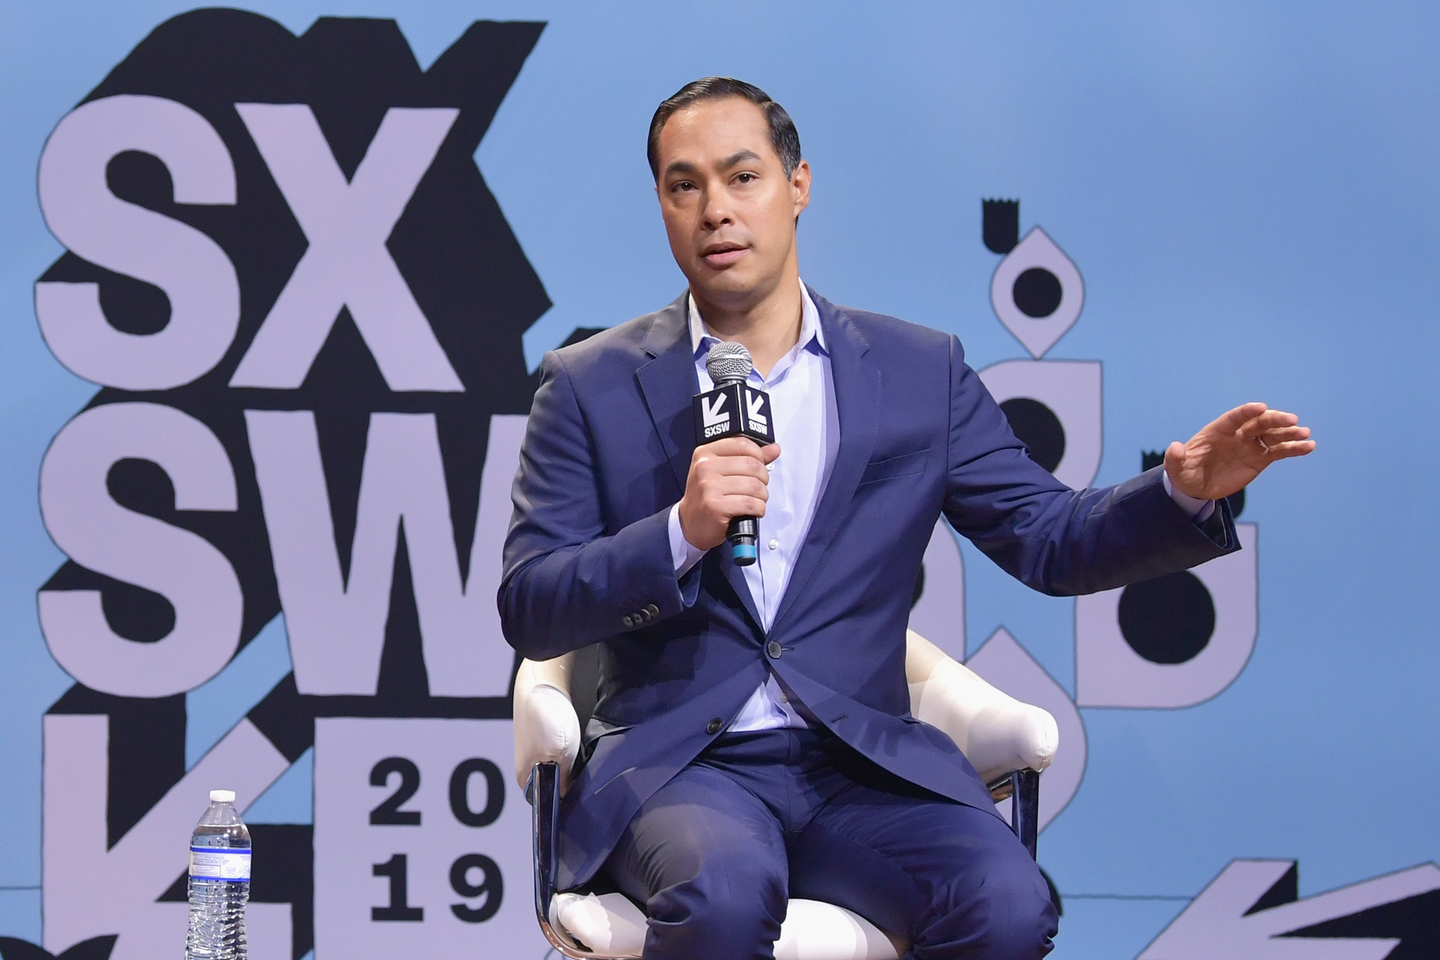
point(783, 136)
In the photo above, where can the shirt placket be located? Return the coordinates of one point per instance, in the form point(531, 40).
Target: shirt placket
point(778, 513)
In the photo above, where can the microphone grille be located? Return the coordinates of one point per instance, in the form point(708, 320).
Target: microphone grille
point(728, 362)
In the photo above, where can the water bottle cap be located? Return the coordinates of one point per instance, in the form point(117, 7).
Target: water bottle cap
point(222, 796)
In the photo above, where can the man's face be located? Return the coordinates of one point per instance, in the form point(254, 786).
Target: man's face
point(729, 209)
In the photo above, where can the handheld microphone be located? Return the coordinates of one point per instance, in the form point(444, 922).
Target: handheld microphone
point(734, 409)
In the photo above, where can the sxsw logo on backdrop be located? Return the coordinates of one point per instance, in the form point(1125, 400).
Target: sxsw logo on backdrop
point(304, 310)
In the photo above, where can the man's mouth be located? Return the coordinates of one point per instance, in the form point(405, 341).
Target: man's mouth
point(722, 254)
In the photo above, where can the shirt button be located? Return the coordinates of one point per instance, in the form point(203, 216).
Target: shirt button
point(773, 649)
point(774, 544)
point(713, 727)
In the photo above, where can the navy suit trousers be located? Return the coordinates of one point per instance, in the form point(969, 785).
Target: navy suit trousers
point(758, 818)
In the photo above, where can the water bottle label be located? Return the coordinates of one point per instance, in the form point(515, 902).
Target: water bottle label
point(210, 863)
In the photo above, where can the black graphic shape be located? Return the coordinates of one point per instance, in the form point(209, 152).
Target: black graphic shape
point(1037, 292)
point(146, 752)
point(1168, 619)
point(286, 718)
point(1037, 427)
point(1284, 890)
point(1000, 225)
point(461, 262)
point(1415, 922)
point(97, 948)
point(1153, 458)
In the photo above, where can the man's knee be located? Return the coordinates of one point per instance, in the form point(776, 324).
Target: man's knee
point(731, 908)
point(1006, 915)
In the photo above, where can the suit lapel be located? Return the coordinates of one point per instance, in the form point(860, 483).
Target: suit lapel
point(857, 401)
point(669, 384)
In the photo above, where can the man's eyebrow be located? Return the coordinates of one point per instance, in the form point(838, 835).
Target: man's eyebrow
point(686, 167)
point(738, 157)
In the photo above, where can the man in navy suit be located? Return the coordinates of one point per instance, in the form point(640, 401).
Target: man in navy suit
point(752, 739)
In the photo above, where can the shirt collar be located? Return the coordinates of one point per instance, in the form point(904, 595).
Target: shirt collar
point(810, 330)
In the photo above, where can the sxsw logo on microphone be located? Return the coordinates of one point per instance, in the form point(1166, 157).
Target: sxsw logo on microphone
point(714, 420)
point(757, 421)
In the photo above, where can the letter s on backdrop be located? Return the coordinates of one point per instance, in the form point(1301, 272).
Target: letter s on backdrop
point(99, 534)
point(112, 233)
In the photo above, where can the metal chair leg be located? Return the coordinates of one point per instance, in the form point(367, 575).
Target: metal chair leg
point(1022, 789)
point(543, 791)
point(544, 794)
point(1025, 808)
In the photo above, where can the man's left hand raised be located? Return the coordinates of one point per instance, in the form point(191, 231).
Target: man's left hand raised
point(1232, 450)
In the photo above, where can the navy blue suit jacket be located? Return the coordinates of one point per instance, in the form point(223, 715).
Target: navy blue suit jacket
point(588, 558)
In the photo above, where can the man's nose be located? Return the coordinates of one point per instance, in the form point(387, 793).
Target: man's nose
point(717, 211)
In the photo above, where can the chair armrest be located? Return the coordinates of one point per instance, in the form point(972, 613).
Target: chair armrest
point(996, 732)
point(546, 727)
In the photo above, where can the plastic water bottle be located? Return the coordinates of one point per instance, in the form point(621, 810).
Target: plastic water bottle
point(219, 882)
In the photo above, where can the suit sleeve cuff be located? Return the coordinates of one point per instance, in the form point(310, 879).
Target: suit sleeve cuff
point(682, 554)
point(1196, 509)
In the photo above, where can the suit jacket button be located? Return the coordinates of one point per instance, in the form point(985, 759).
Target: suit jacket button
point(773, 649)
point(628, 621)
point(713, 727)
point(652, 610)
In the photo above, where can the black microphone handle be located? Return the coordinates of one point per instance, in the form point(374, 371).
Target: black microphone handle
point(743, 535)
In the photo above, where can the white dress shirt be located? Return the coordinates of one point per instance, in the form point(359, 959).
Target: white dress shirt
point(807, 427)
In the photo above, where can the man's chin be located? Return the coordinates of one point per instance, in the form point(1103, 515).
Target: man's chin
point(735, 279)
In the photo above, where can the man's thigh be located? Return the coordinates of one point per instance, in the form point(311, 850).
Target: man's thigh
point(707, 860)
point(952, 879)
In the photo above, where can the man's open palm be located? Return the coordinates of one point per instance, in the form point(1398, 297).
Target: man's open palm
point(1232, 450)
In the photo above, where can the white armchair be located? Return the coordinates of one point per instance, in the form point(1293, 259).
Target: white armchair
point(1007, 741)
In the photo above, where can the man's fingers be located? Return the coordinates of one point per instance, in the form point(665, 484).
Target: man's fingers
point(717, 487)
point(1291, 448)
point(743, 507)
point(1283, 434)
point(735, 447)
point(1232, 420)
point(1175, 455)
point(1266, 421)
point(735, 466)
point(747, 462)
point(737, 456)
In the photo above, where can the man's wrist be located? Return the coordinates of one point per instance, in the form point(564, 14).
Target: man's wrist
point(683, 554)
point(1195, 508)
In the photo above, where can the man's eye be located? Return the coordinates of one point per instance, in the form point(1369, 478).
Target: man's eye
point(683, 185)
point(745, 177)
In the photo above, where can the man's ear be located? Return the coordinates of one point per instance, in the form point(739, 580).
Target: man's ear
point(800, 186)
